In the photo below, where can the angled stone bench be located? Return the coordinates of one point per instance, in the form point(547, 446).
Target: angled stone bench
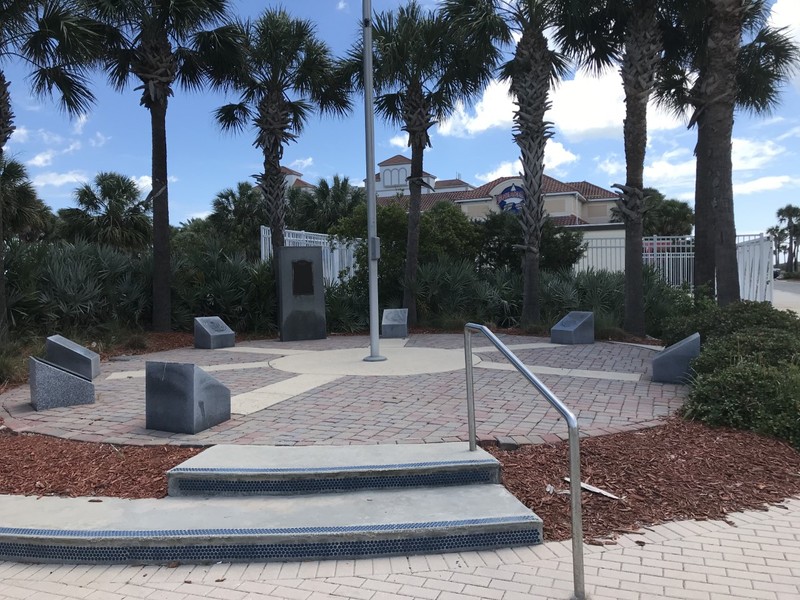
point(211, 333)
point(576, 328)
point(53, 386)
point(673, 363)
point(182, 398)
point(394, 323)
point(72, 357)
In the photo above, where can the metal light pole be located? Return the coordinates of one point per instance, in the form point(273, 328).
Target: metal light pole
point(373, 241)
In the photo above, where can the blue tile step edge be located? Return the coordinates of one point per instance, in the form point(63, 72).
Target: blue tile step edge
point(233, 470)
point(339, 526)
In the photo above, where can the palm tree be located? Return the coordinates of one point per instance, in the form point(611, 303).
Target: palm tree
point(321, 209)
point(530, 73)
point(24, 214)
point(790, 215)
point(710, 71)
point(237, 216)
point(57, 45)
point(164, 43)
point(111, 211)
point(287, 73)
point(423, 67)
point(779, 238)
point(661, 216)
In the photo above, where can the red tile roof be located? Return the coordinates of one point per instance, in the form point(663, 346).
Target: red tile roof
point(397, 159)
point(288, 171)
point(591, 191)
point(568, 220)
point(450, 183)
point(299, 183)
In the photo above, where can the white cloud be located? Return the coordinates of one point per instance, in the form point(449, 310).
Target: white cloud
point(786, 13)
point(50, 138)
point(98, 140)
point(200, 215)
point(611, 165)
point(591, 106)
point(793, 132)
point(73, 147)
point(43, 159)
point(764, 184)
point(301, 164)
point(145, 182)
point(60, 179)
point(748, 155)
point(556, 155)
point(504, 169)
point(399, 141)
point(673, 169)
point(77, 128)
point(341, 5)
point(494, 109)
point(20, 135)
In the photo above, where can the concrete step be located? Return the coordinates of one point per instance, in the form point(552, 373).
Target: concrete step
point(231, 470)
point(361, 524)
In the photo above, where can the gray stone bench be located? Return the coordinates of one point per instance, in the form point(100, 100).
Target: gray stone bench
point(182, 398)
point(673, 363)
point(211, 333)
point(55, 387)
point(395, 323)
point(576, 328)
point(72, 357)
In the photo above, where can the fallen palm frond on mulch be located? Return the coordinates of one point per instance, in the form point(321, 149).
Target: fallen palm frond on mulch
point(679, 470)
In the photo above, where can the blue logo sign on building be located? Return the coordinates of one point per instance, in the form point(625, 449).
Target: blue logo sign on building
point(509, 199)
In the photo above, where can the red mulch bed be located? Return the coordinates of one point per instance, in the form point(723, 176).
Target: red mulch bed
point(680, 470)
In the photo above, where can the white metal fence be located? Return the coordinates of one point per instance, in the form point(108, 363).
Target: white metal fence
point(673, 257)
point(338, 260)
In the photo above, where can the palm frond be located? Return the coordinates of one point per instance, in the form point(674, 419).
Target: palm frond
point(233, 117)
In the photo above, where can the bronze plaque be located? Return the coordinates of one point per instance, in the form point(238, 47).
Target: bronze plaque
point(302, 278)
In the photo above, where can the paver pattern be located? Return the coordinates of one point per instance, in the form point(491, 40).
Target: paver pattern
point(368, 410)
point(757, 557)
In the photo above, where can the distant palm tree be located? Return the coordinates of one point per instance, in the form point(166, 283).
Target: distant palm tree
point(164, 43)
point(790, 215)
point(423, 68)
point(710, 70)
point(57, 45)
point(24, 214)
point(779, 238)
point(110, 211)
point(237, 216)
point(321, 209)
point(530, 73)
point(286, 73)
point(662, 216)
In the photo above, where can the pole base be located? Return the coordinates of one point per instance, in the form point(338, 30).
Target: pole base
point(374, 358)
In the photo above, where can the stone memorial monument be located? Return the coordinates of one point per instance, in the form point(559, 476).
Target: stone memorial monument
point(395, 323)
point(211, 333)
point(73, 357)
point(55, 387)
point(182, 398)
point(301, 294)
point(576, 328)
point(673, 364)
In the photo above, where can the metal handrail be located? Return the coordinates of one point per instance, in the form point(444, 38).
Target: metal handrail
point(574, 441)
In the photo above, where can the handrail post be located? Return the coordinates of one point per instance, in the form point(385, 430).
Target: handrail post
point(473, 443)
point(576, 511)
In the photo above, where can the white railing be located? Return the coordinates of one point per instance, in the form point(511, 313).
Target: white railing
point(338, 260)
point(673, 257)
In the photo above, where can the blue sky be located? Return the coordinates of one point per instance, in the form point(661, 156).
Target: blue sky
point(475, 145)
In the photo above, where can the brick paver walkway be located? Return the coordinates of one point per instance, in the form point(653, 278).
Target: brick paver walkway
point(392, 409)
point(757, 557)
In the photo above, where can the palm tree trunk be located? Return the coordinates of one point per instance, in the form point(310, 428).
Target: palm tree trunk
point(273, 185)
point(705, 281)
point(719, 97)
point(642, 46)
point(412, 239)
point(162, 309)
point(530, 86)
point(6, 129)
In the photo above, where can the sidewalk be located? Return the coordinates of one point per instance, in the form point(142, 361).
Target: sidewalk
point(757, 557)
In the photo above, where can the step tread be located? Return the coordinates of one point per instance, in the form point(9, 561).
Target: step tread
point(353, 512)
point(302, 460)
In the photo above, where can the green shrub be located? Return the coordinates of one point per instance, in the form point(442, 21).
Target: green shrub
point(346, 307)
point(712, 321)
point(765, 347)
point(748, 395)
